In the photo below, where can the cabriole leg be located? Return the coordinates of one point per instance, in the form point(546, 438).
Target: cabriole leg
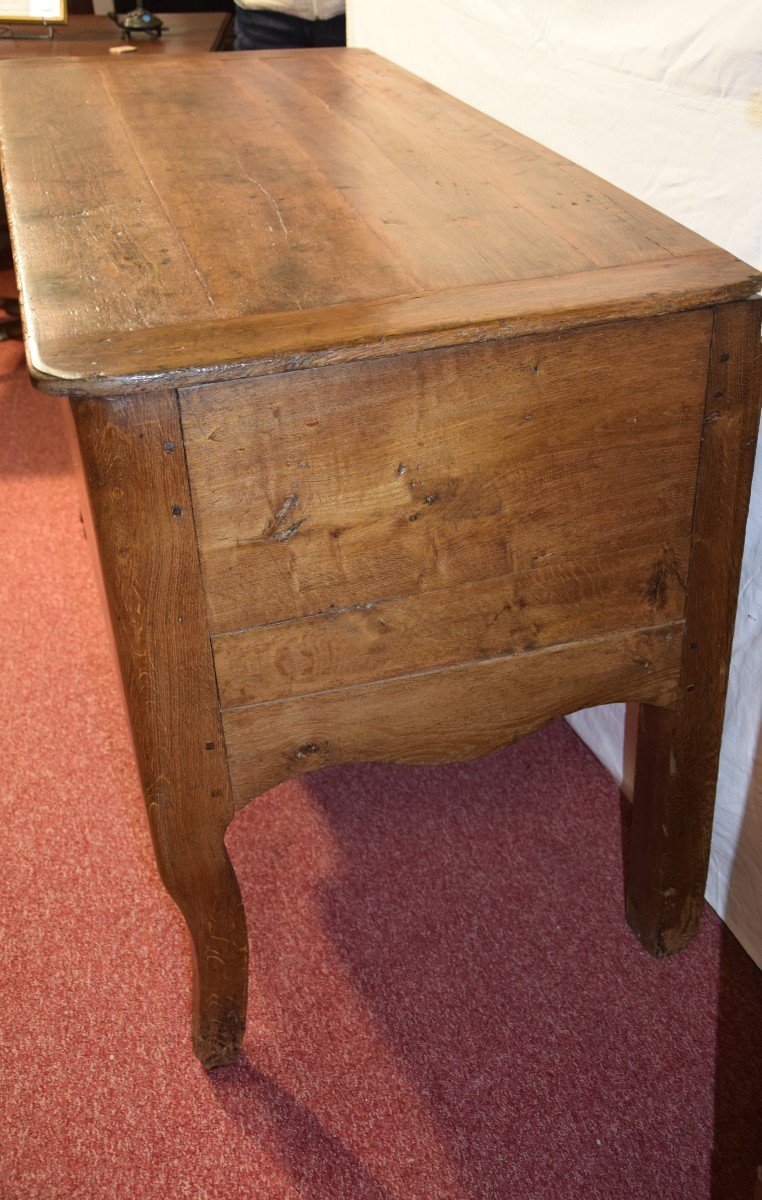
point(200, 879)
point(140, 519)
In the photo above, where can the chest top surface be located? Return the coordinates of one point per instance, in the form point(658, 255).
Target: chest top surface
point(211, 217)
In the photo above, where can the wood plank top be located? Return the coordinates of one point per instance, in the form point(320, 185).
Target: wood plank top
point(216, 217)
point(88, 34)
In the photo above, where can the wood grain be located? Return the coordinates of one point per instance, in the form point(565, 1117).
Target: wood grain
point(353, 210)
point(533, 203)
point(678, 751)
point(141, 513)
point(344, 486)
point(457, 230)
point(589, 210)
point(507, 614)
point(446, 715)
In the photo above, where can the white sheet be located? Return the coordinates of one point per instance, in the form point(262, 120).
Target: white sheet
point(664, 99)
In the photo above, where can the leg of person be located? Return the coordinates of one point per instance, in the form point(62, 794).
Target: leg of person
point(264, 29)
point(332, 32)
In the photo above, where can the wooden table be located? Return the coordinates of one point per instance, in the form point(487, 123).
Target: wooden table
point(86, 34)
point(402, 436)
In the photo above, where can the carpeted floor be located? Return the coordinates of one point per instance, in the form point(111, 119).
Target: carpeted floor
point(446, 1002)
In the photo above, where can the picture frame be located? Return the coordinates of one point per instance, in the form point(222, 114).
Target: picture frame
point(34, 12)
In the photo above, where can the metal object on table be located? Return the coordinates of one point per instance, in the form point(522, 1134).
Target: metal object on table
point(139, 20)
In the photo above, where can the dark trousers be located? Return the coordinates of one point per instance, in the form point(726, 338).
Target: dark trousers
point(261, 29)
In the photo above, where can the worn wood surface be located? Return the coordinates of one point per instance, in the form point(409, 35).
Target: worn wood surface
point(87, 34)
point(354, 211)
point(502, 615)
point(447, 715)
point(133, 462)
point(346, 485)
point(678, 751)
point(249, 347)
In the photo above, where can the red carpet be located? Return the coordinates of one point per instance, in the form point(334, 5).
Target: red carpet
point(446, 1003)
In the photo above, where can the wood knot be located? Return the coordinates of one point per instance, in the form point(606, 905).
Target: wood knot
point(666, 574)
point(282, 528)
point(283, 535)
point(308, 748)
point(311, 755)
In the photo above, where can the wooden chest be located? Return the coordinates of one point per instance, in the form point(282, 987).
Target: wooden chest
point(402, 435)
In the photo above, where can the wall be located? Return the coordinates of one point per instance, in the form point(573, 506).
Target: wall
point(664, 99)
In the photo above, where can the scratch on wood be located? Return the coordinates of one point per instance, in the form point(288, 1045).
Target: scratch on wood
point(263, 189)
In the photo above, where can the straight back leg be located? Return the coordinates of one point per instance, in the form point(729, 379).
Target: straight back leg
point(678, 750)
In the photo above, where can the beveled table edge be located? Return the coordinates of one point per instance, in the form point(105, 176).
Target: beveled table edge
point(241, 347)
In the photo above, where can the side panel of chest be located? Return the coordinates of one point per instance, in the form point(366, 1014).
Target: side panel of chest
point(363, 524)
point(343, 486)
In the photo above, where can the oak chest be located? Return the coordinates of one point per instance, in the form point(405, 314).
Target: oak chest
point(402, 435)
